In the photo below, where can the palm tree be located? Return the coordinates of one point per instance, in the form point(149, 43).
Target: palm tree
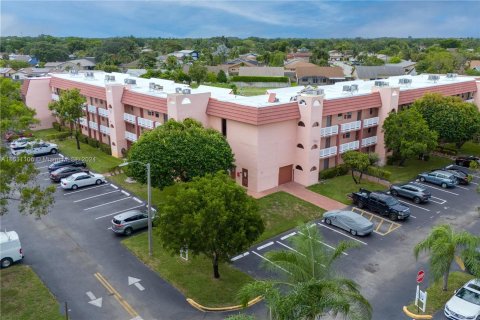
point(443, 244)
point(308, 288)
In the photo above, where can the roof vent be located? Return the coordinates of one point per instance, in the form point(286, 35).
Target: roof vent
point(186, 91)
point(451, 76)
point(89, 75)
point(433, 77)
point(294, 98)
point(381, 83)
point(405, 81)
point(73, 72)
point(151, 86)
point(178, 90)
point(130, 81)
point(109, 78)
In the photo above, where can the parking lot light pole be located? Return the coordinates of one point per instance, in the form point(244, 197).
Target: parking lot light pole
point(149, 205)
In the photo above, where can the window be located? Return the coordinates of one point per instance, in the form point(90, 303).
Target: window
point(346, 135)
point(91, 100)
point(347, 115)
point(314, 146)
point(329, 121)
point(299, 168)
point(224, 127)
point(340, 115)
point(301, 124)
point(313, 169)
point(369, 130)
point(327, 142)
point(315, 80)
point(315, 124)
point(150, 113)
point(326, 163)
point(300, 146)
point(371, 110)
point(359, 115)
point(157, 114)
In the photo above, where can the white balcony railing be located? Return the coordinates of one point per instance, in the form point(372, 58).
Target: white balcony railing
point(351, 126)
point(129, 118)
point(146, 123)
point(370, 122)
point(354, 145)
point(329, 131)
point(157, 124)
point(92, 109)
point(369, 141)
point(104, 129)
point(93, 125)
point(130, 136)
point(84, 107)
point(55, 97)
point(328, 152)
point(83, 122)
point(103, 112)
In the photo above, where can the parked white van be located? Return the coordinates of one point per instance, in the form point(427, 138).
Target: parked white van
point(10, 248)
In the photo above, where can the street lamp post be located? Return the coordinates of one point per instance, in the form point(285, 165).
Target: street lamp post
point(149, 205)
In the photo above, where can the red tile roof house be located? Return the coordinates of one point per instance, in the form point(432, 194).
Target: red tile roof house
point(287, 134)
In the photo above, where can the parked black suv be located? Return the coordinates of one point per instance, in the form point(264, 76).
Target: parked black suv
point(465, 161)
point(66, 163)
point(381, 203)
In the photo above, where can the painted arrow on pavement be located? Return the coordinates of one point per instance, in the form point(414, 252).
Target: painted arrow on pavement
point(136, 282)
point(93, 300)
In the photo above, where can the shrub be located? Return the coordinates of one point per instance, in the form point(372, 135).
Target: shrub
point(106, 148)
point(92, 142)
point(446, 150)
point(379, 172)
point(56, 126)
point(392, 159)
point(259, 79)
point(330, 173)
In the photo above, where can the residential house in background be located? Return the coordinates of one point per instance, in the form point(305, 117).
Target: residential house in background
point(302, 54)
point(25, 73)
point(337, 55)
point(261, 71)
point(318, 75)
point(77, 64)
point(182, 54)
point(407, 65)
point(136, 72)
point(235, 64)
point(292, 65)
point(475, 65)
point(23, 57)
point(6, 72)
point(377, 72)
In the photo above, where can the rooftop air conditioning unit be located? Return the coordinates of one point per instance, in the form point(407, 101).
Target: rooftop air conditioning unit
point(347, 89)
point(130, 81)
point(451, 75)
point(151, 86)
point(354, 87)
point(89, 75)
point(381, 83)
point(186, 91)
point(109, 78)
point(405, 81)
point(433, 77)
point(178, 90)
point(73, 72)
point(294, 98)
point(158, 87)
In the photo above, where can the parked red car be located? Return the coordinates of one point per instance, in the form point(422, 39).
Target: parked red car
point(15, 134)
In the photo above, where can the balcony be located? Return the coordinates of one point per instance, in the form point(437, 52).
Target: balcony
point(55, 97)
point(92, 109)
point(93, 125)
point(157, 124)
point(369, 141)
point(146, 123)
point(354, 145)
point(129, 118)
point(351, 126)
point(130, 136)
point(328, 152)
point(329, 131)
point(83, 122)
point(103, 112)
point(104, 129)
point(370, 122)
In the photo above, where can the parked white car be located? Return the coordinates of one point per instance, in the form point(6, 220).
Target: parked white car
point(82, 179)
point(37, 148)
point(21, 142)
point(10, 248)
point(465, 303)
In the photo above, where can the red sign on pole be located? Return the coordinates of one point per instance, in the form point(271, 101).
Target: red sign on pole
point(420, 276)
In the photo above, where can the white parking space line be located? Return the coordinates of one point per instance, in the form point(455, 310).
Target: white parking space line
point(104, 204)
point(126, 193)
point(326, 244)
point(43, 167)
point(288, 235)
point(72, 192)
point(460, 187)
point(138, 200)
point(428, 186)
point(276, 265)
point(240, 256)
point(265, 246)
point(346, 235)
point(413, 216)
point(112, 214)
point(42, 173)
point(46, 179)
point(96, 196)
point(440, 201)
point(113, 186)
point(475, 183)
point(413, 205)
point(290, 248)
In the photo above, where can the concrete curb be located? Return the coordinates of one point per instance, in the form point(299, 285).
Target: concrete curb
point(416, 316)
point(220, 309)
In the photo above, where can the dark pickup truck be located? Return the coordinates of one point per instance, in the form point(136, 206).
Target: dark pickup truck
point(381, 203)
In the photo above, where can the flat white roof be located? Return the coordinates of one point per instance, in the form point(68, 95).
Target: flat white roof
point(283, 95)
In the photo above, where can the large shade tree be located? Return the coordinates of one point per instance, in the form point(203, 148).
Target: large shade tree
point(211, 215)
point(407, 134)
point(179, 151)
point(308, 287)
point(15, 115)
point(69, 109)
point(443, 244)
point(454, 120)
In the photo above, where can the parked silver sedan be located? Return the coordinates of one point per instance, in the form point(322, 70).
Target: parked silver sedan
point(349, 221)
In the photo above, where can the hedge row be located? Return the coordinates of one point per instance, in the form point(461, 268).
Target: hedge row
point(379, 172)
point(259, 79)
point(330, 173)
point(96, 144)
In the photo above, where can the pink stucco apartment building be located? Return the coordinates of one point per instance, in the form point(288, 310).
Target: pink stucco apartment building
point(287, 134)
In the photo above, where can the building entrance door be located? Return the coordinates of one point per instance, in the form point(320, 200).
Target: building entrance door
point(285, 174)
point(244, 177)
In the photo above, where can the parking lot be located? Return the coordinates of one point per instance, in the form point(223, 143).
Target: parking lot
point(390, 244)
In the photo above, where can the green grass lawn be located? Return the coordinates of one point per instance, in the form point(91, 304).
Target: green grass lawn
point(194, 278)
point(468, 148)
point(24, 296)
point(413, 167)
point(339, 187)
point(437, 298)
point(282, 211)
point(41, 134)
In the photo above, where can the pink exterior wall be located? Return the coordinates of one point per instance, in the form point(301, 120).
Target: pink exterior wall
point(38, 96)
point(115, 118)
point(181, 107)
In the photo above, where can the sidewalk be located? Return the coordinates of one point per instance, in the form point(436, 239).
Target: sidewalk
point(303, 193)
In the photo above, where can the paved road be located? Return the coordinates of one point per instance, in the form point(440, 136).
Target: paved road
point(80, 260)
point(383, 264)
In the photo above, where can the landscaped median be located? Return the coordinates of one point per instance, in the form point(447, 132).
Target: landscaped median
point(24, 296)
point(436, 297)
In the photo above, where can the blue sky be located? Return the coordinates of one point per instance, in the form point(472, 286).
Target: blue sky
point(271, 19)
